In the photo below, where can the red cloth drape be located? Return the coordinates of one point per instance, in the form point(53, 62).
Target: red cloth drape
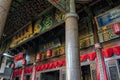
point(45, 66)
point(91, 56)
point(60, 63)
point(107, 52)
point(83, 57)
point(116, 50)
point(55, 64)
point(39, 67)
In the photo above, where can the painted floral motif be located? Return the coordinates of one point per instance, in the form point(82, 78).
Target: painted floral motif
point(58, 16)
point(47, 22)
point(37, 27)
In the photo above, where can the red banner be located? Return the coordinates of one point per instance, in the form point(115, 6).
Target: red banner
point(18, 57)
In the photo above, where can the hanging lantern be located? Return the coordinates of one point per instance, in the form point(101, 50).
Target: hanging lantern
point(49, 53)
point(116, 28)
point(13, 66)
point(39, 56)
point(24, 62)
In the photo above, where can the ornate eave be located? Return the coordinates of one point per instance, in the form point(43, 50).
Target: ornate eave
point(21, 12)
point(24, 11)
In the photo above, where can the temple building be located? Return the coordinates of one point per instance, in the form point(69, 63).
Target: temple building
point(59, 39)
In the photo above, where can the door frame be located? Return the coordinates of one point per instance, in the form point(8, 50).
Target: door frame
point(114, 57)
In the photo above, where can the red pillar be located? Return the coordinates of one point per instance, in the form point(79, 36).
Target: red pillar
point(22, 74)
point(34, 72)
point(12, 66)
point(23, 64)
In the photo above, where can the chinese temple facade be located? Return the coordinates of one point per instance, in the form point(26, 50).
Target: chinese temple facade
point(60, 40)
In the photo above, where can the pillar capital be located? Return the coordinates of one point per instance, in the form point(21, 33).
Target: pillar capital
point(23, 67)
point(34, 63)
point(71, 14)
point(98, 46)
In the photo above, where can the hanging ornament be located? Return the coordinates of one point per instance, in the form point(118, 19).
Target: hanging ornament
point(49, 53)
point(38, 56)
point(24, 62)
point(116, 28)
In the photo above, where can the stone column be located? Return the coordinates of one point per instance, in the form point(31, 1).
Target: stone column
point(3, 64)
point(72, 44)
point(4, 8)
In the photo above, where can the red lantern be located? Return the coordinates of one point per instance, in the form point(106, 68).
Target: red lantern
point(116, 28)
point(49, 53)
point(13, 66)
point(18, 57)
point(24, 62)
point(38, 57)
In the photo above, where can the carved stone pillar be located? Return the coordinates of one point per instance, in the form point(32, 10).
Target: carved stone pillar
point(72, 44)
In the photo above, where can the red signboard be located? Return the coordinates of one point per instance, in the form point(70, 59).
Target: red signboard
point(18, 57)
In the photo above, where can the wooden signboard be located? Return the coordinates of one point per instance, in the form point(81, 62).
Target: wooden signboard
point(104, 23)
point(49, 45)
point(108, 18)
point(45, 22)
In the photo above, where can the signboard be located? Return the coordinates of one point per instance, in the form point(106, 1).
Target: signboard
point(50, 44)
point(62, 5)
point(108, 17)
